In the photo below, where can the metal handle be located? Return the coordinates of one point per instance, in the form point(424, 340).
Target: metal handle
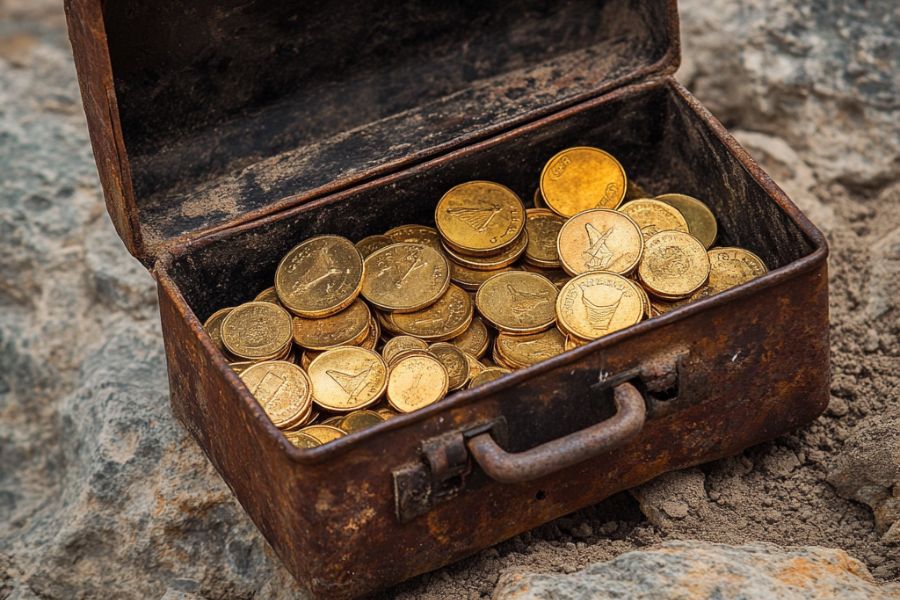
point(574, 448)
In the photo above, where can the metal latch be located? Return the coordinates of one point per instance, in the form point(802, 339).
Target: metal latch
point(439, 475)
point(662, 379)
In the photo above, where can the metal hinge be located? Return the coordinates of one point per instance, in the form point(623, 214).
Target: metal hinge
point(440, 474)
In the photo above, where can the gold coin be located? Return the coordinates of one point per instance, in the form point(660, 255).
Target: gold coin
point(674, 265)
point(557, 276)
point(597, 303)
point(474, 340)
point(471, 279)
point(653, 216)
point(373, 334)
point(582, 178)
point(573, 342)
point(416, 234)
point(401, 343)
point(359, 420)
point(489, 374)
point(324, 433)
point(370, 244)
point(415, 382)
point(518, 302)
point(384, 321)
point(334, 420)
point(542, 227)
point(257, 330)
point(480, 217)
point(475, 366)
point(700, 220)
point(268, 295)
point(522, 351)
point(241, 365)
point(405, 277)
point(445, 319)
point(301, 439)
point(454, 360)
point(348, 327)
point(633, 191)
point(491, 262)
point(600, 240)
point(282, 390)
point(730, 267)
point(347, 378)
point(538, 200)
point(386, 412)
point(320, 276)
point(213, 326)
point(645, 299)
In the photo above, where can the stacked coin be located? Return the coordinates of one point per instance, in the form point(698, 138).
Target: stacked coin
point(351, 334)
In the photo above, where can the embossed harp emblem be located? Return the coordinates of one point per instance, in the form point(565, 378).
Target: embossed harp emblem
point(599, 315)
point(476, 218)
point(598, 255)
point(525, 302)
point(350, 383)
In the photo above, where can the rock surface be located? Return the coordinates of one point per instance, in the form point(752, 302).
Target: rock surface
point(103, 495)
point(703, 571)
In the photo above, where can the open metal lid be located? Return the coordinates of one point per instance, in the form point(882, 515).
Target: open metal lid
point(208, 113)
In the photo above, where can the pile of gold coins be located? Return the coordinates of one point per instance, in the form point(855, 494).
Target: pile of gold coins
point(353, 334)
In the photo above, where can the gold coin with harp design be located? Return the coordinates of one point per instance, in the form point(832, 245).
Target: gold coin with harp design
point(518, 302)
point(479, 217)
point(350, 327)
point(347, 378)
point(582, 178)
point(595, 304)
point(447, 318)
point(600, 240)
point(320, 276)
point(282, 390)
point(405, 277)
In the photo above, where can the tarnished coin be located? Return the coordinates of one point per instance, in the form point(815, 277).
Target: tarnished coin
point(489, 374)
point(674, 265)
point(405, 277)
point(282, 390)
point(474, 340)
point(475, 366)
point(730, 267)
point(334, 420)
point(324, 433)
point(480, 217)
point(518, 302)
point(402, 343)
point(443, 320)
point(416, 234)
point(348, 327)
point(700, 220)
point(359, 420)
point(653, 216)
point(301, 439)
point(522, 351)
point(542, 226)
point(268, 295)
point(454, 360)
point(595, 304)
point(213, 326)
point(347, 378)
point(320, 276)
point(582, 178)
point(600, 240)
point(491, 262)
point(370, 244)
point(257, 331)
point(415, 382)
point(471, 279)
point(386, 412)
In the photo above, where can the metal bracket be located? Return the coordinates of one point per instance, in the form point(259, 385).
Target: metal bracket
point(662, 379)
point(441, 472)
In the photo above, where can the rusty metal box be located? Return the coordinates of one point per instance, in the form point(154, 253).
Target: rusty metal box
point(225, 131)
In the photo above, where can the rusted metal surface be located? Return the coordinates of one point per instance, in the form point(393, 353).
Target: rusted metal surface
point(405, 497)
point(213, 113)
point(558, 454)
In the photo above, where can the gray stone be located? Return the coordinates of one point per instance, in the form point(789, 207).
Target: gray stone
point(703, 571)
point(868, 470)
